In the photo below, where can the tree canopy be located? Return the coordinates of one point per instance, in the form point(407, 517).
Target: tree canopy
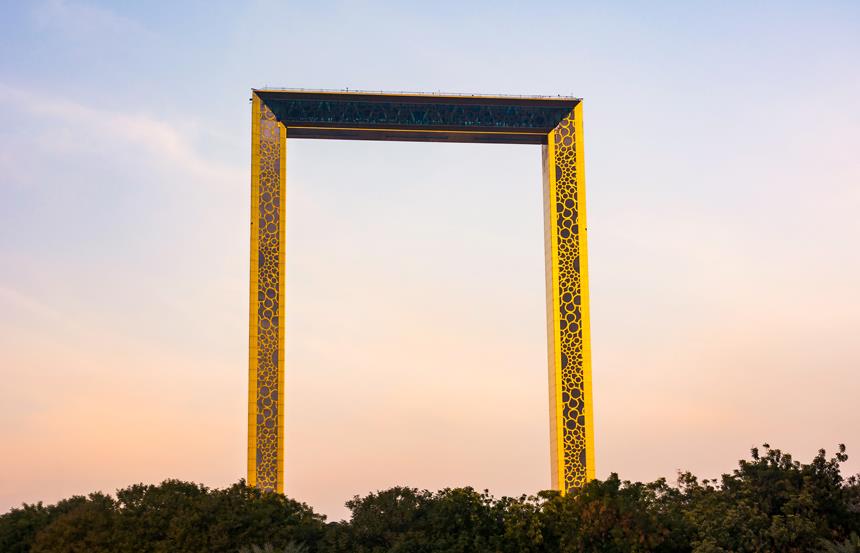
point(771, 502)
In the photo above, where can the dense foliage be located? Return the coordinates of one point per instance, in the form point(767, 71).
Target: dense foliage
point(770, 503)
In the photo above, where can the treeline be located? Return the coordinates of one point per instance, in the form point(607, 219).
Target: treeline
point(770, 503)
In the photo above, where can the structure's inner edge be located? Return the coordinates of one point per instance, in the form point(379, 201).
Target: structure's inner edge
point(416, 135)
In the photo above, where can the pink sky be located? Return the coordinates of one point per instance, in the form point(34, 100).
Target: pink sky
point(723, 198)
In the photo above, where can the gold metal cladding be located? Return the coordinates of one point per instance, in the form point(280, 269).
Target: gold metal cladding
point(266, 357)
point(568, 331)
point(252, 304)
point(590, 472)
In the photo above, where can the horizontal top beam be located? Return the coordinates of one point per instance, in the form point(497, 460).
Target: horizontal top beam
point(416, 117)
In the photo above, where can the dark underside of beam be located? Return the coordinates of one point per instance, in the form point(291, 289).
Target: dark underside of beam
point(417, 117)
point(400, 135)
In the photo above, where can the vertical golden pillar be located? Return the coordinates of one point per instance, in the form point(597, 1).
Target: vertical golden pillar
point(568, 331)
point(266, 314)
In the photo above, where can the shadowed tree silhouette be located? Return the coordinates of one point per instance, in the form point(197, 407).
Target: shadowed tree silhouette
point(771, 502)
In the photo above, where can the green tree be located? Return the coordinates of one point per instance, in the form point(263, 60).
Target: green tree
point(174, 517)
point(408, 520)
point(18, 527)
point(771, 503)
point(850, 545)
point(290, 548)
point(89, 526)
point(615, 516)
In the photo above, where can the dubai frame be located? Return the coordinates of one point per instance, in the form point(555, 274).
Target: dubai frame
point(555, 123)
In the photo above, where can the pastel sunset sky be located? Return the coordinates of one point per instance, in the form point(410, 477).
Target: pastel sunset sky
point(723, 177)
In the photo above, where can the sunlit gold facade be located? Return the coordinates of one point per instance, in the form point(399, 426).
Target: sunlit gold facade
point(553, 123)
point(266, 336)
point(568, 330)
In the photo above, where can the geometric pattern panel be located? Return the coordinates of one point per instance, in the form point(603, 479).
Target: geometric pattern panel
point(267, 228)
point(554, 123)
point(418, 117)
point(297, 112)
point(570, 364)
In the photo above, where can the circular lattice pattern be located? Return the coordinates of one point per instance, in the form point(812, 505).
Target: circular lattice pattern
point(570, 317)
point(570, 305)
point(268, 299)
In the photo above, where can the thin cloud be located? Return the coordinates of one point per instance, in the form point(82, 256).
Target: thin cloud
point(158, 138)
point(18, 300)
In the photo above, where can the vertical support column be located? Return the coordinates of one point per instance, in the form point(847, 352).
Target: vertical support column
point(568, 330)
point(266, 320)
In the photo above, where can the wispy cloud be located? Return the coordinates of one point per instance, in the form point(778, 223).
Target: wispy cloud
point(96, 128)
point(17, 300)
